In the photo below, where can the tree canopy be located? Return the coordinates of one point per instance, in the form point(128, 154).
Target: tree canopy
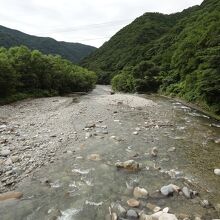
point(26, 72)
point(177, 54)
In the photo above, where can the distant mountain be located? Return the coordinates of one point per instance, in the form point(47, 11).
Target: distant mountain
point(178, 54)
point(74, 52)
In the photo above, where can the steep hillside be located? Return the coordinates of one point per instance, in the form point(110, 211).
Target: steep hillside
point(74, 52)
point(177, 54)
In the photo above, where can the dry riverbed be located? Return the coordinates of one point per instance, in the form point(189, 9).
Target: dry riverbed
point(103, 156)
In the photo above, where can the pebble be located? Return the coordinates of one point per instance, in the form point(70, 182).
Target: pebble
point(140, 192)
point(217, 172)
point(15, 159)
point(94, 157)
point(133, 203)
point(217, 141)
point(5, 152)
point(171, 149)
point(8, 162)
point(137, 129)
point(135, 133)
point(88, 135)
point(205, 203)
point(132, 214)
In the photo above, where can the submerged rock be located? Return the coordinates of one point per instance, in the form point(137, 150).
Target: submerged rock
point(129, 165)
point(10, 195)
point(153, 207)
point(169, 189)
point(154, 152)
point(140, 192)
point(94, 157)
point(187, 193)
point(133, 203)
point(171, 149)
point(205, 203)
point(112, 216)
point(118, 209)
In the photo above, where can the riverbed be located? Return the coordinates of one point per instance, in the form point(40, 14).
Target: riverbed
point(67, 147)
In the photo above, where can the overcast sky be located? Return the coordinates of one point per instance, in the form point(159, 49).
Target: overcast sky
point(86, 21)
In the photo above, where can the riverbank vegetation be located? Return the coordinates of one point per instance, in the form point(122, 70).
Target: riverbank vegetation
point(25, 73)
point(177, 55)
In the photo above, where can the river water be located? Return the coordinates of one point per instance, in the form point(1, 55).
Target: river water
point(76, 188)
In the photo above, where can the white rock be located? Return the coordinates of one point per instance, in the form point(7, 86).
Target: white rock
point(88, 135)
point(171, 149)
point(163, 216)
point(166, 210)
point(8, 162)
point(169, 189)
point(154, 151)
point(5, 152)
point(145, 217)
point(135, 133)
point(217, 172)
point(140, 192)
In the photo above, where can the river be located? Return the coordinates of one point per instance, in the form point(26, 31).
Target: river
point(74, 185)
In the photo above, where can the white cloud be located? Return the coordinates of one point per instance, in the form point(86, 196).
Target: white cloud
point(73, 20)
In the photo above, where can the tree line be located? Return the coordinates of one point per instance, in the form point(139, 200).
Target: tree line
point(25, 72)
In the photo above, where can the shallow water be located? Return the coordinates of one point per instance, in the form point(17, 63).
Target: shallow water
point(83, 189)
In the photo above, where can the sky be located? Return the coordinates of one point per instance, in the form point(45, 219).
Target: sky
point(89, 22)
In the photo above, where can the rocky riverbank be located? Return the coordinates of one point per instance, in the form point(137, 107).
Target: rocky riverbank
point(103, 156)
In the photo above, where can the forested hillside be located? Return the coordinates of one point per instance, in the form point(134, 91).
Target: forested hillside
point(177, 54)
point(25, 73)
point(74, 52)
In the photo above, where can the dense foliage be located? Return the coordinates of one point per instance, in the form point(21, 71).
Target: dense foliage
point(177, 54)
point(74, 52)
point(24, 72)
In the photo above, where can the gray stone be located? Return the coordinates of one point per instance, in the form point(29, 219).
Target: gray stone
point(169, 189)
point(186, 192)
point(132, 214)
point(118, 209)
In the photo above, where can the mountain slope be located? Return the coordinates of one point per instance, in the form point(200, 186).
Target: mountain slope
point(74, 52)
point(178, 54)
